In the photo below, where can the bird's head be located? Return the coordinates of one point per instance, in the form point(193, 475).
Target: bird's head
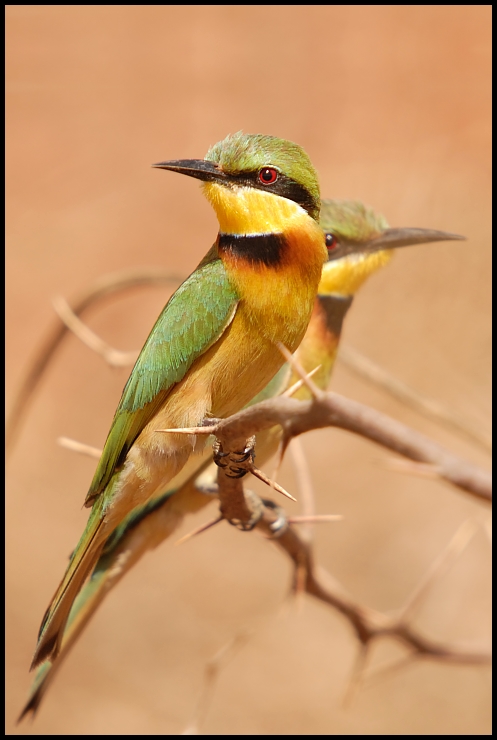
point(359, 242)
point(256, 183)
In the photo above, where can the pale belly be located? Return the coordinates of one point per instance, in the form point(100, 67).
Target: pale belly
point(220, 383)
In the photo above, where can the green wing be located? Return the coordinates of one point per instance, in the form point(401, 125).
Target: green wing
point(192, 320)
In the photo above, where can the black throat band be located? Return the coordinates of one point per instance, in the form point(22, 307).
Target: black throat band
point(258, 249)
point(335, 308)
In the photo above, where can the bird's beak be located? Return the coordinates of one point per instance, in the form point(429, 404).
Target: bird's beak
point(199, 168)
point(395, 238)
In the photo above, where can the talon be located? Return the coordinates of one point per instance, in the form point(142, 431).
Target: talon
point(237, 472)
point(243, 456)
point(245, 526)
point(218, 456)
point(221, 464)
point(279, 526)
point(222, 454)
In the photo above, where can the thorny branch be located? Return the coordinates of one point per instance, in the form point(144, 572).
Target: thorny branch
point(325, 410)
point(332, 410)
point(117, 282)
point(368, 624)
point(247, 511)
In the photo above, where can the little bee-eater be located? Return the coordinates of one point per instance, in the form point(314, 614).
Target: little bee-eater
point(359, 242)
point(214, 346)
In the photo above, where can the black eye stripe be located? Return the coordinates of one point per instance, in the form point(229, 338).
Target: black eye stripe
point(283, 185)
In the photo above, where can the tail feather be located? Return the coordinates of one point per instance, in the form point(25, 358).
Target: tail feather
point(40, 685)
point(82, 562)
point(83, 608)
point(111, 567)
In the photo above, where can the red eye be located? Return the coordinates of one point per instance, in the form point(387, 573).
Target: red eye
point(268, 175)
point(331, 242)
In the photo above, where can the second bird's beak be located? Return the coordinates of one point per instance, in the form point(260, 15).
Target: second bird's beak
point(395, 238)
point(199, 168)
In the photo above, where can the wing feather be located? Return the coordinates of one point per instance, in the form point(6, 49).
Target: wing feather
point(193, 319)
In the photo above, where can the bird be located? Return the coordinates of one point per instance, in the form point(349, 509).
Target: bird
point(359, 242)
point(215, 344)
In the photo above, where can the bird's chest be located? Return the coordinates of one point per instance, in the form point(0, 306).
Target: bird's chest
point(276, 277)
point(245, 360)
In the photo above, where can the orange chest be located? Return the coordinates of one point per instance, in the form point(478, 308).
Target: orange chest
point(276, 276)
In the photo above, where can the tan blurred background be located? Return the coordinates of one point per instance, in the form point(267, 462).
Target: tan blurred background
point(392, 104)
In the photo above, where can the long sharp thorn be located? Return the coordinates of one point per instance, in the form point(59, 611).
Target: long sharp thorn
point(315, 518)
point(425, 470)
point(75, 446)
point(263, 477)
point(189, 430)
point(315, 391)
point(199, 530)
point(439, 566)
point(282, 448)
point(298, 385)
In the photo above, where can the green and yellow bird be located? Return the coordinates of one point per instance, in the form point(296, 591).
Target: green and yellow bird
point(214, 346)
point(359, 242)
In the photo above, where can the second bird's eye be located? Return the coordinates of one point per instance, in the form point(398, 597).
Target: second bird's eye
point(268, 175)
point(331, 241)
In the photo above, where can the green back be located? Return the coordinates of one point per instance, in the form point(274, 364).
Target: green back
point(193, 319)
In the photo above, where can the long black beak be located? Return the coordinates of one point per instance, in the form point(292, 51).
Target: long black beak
point(391, 239)
point(199, 168)
point(395, 238)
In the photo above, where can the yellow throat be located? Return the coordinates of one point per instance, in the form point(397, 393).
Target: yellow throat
point(245, 210)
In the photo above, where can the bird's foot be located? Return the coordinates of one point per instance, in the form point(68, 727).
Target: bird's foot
point(279, 526)
point(238, 462)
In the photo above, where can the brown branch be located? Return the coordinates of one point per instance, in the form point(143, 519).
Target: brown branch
point(247, 511)
point(102, 288)
point(112, 356)
point(333, 410)
point(368, 624)
point(439, 412)
point(118, 282)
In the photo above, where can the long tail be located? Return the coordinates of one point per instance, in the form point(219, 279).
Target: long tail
point(142, 530)
point(82, 610)
point(82, 562)
point(117, 558)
